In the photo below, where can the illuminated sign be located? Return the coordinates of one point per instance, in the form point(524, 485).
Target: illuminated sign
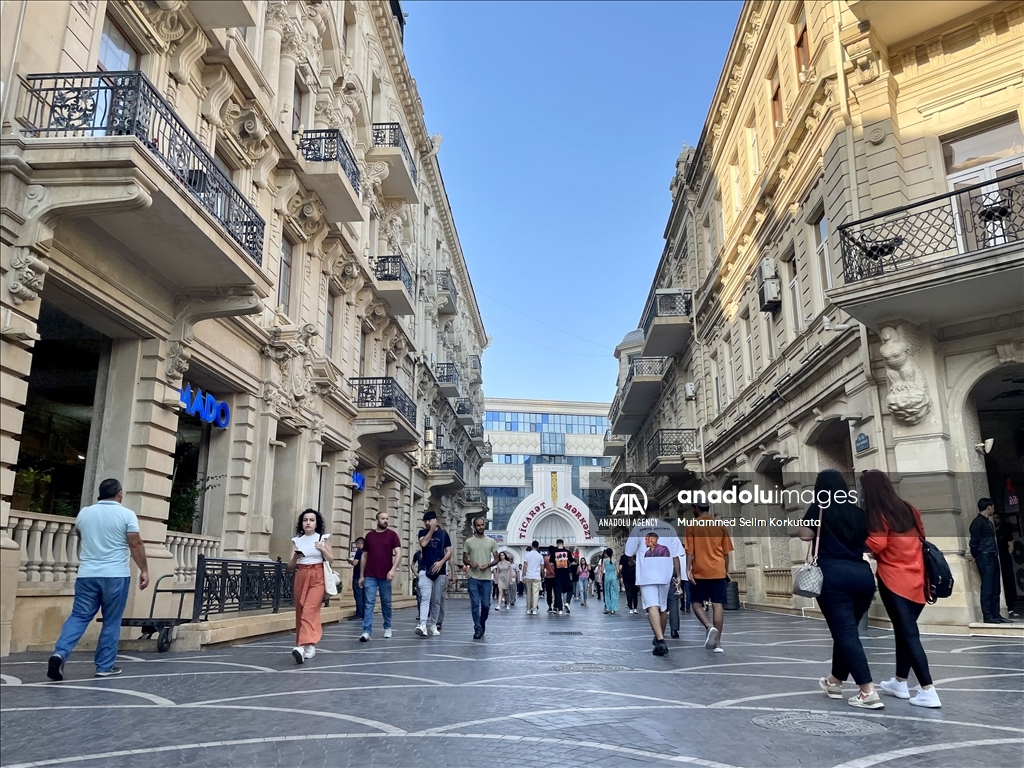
point(205, 407)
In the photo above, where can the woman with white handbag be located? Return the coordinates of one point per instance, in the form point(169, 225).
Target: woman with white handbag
point(847, 585)
point(311, 560)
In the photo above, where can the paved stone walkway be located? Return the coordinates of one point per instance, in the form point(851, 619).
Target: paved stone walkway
point(522, 697)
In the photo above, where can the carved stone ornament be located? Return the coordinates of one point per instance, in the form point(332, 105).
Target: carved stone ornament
point(326, 115)
point(290, 348)
point(191, 309)
point(164, 16)
point(25, 280)
point(277, 15)
point(185, 53)
point(908, 400)
point(864, 54)
point(247, 126)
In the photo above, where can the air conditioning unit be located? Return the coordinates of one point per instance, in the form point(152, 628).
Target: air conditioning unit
point(691, 390)
point(769, 287)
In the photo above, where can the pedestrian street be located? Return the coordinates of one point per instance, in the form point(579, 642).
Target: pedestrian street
point(539, 690)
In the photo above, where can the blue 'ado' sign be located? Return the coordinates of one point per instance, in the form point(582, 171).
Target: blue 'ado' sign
point(205, 407)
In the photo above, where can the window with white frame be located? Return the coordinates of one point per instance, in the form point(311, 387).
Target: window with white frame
point(803, 46)
point(332, 303)
point(821, 256)
point(737, 193)
point(748, 346)
point(709, 248)
point(284, 278)
point(768, 327)
point(117, 54)
point(729, 361)
point(793, 293)
point(753, 152)
point(778, 117)
point(716, 383)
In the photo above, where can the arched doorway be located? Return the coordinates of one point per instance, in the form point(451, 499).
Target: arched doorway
point(994, 429)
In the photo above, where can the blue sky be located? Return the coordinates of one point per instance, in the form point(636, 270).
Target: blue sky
point(562, 122)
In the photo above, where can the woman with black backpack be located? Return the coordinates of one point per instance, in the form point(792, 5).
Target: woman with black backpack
point(896, 539)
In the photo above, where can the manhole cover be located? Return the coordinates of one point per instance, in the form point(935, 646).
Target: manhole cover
point(818, 724)
point(591, 668)
point(565, 633)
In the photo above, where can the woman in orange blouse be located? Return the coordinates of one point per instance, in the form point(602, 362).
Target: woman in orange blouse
point(895, 538)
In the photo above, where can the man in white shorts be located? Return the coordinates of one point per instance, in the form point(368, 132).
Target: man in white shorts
point(659, 555)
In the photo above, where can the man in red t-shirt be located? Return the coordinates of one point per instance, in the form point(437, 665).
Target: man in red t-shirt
point(382, 554)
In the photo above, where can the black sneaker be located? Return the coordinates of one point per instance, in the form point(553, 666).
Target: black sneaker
point(675, 634)
point(567, 611)
point(477, 634)
point(55, 667)
point(112, 672)
point(660, 648)
point(551, 610)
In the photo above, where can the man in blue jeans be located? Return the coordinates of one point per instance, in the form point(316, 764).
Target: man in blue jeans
point(382, 554)
point(109, 533)
point(985, 551)
point(480, 554)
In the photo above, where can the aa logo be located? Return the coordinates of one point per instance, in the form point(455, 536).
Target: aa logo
point(628, 499)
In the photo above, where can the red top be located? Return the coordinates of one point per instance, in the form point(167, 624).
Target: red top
point(900, 559)
point(378, 552)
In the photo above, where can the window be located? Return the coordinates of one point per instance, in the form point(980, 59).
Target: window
point(716, 384)
point(296, 108)
point(221, 201)
point(748, 346)
point(709, 249)
point(776, 86)
point(821, 256)
point(754, 154)
point(769, 336)
point(284, 278)
point(992, 145)
point(117, 54)
point(729, 360)
point(793, 290)
point(737, 194)
point(332, 302)
point(803, 47)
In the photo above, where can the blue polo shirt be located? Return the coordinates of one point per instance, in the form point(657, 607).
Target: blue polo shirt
point(104, 529)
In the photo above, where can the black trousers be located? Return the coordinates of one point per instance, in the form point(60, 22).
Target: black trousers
point(631, 593)
point(549, 590)
point(909, 652)
point(563, 590)
point(1009, 583)
point(845, 598)
point(988, 569)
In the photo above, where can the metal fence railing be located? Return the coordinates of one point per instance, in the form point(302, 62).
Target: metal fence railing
point(393, 268)
point(391, 135)
point(326, 145)
point(383, 392)
point(678, 304)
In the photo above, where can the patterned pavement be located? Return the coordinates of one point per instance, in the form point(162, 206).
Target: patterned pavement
point(523, 696)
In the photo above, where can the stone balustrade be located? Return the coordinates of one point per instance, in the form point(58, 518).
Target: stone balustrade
point(778, 582)
point(186, 548)
point(48, 544)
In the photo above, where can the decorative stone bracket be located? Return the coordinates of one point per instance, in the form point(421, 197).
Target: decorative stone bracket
point(190, 309)
point(908, 399)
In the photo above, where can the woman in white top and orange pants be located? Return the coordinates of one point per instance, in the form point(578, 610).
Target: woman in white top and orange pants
point(311, 551)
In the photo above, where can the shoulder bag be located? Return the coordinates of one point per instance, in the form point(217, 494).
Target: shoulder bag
point(808, 578)
point(938, 578)
point(331, 578)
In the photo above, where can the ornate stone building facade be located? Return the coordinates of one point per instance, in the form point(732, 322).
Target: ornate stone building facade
point(231, 278)
point(842, 283)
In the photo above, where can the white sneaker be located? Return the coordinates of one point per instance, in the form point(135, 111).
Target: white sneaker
point(893, 687)
point(364, 638)
point(309, 652)
point(709, 641)
point(421, 629)
point(299, 654)
point(387, 634)
point(719, 649)
point(871, 701)
point(433, 630)
point(831, 690)
point(560, 613)
point(927, 698)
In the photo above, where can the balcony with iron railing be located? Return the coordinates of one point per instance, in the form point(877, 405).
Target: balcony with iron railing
point(614, 445)
point(390, 145)
point(476, 371)
point(485, 450)
point(394, 283)
point(373, 396)
point(476, 433)
point(448, 379)
point(642, 384)
point(666, 323)
point(447, 293)
point(958, 252)
point(474, 497)
point(464, 411)
point(445, 470)
point(668, 450)
point(102, 124)
point(330, 170)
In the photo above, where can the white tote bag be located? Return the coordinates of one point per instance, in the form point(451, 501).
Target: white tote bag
point(331, 579)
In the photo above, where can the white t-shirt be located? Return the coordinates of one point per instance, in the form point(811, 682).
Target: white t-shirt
point(534, 562)
point(104, 528)
point(306, 545)
point(655, 570)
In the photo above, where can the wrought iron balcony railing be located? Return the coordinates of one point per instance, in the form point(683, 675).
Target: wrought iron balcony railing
point(447, 373)
point(609, 437)
point(443, 460)
point(463, 406)
point(667, 305)
point(393, 268)
point(969, 220)
point(391, 135)
point(475, 432)
point(474, 362)
point(616, 407)
point(645, 366)
point(322, 146)
point(383, 392)
point(474, 496)
point(485, 451)
point(95, 104)
point(671, 442)
point(446, 282)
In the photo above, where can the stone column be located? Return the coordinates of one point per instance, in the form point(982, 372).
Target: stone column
point(239, 483)
point(286, 80)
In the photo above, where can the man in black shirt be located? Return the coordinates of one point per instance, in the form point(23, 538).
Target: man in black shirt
point(563, 579)
point(436, 549)
point(984, 549)
point(627, 573)
point(358, 592)
point(1004, 540)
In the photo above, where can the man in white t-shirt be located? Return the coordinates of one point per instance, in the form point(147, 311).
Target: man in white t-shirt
point(659, 556)
point(533, 563)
